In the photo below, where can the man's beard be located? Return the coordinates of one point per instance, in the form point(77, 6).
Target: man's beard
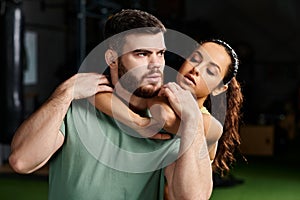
point(132, 84)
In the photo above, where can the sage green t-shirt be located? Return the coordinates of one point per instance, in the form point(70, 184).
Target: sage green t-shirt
point(103, 159)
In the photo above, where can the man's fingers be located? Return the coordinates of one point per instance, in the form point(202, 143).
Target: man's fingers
point(104, 88)
point(169, 93)
point(104, 84)
point(161, 136)
point(103, 80)
point(173, 87)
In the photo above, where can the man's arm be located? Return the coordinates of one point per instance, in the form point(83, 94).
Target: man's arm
point(38, 137)
point(190, 176)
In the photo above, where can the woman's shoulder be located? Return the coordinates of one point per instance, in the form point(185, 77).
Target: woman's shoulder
point(213, 127)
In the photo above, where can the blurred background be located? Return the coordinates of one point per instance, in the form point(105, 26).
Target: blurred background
point(43, 42)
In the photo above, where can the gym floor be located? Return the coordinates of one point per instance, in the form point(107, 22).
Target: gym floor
point(269, 178)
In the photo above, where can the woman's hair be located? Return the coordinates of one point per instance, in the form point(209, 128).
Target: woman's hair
point(230, 139)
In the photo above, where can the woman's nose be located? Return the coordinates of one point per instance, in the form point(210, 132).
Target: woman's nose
point(195, 71)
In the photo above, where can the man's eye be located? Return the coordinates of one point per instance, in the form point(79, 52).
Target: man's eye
point(142, 54)
point(161, 53)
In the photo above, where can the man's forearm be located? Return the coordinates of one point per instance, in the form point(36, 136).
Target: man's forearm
point(38, 136)
point(192, 172)
point(37, 139)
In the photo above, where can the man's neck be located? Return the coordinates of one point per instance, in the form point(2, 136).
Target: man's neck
point(136, 104)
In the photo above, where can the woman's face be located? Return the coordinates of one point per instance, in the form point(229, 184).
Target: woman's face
point(203, 71)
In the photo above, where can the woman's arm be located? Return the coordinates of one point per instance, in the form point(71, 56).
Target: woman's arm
point(105, 102)
point(213, 131)
point(111, 105)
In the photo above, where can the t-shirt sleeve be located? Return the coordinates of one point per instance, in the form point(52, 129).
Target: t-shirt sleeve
point(63, 128)
point(63, 124)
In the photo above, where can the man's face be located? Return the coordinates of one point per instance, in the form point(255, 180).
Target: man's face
point(140, 68)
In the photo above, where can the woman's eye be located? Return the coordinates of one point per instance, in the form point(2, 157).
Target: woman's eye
point(210, 72)
point(196, 58)
point(193, 59)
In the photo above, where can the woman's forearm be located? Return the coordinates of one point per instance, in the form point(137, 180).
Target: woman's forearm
point(145, 126)
point(114, 107)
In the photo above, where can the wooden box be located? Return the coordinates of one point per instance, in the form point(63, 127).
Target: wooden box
point(257, 140)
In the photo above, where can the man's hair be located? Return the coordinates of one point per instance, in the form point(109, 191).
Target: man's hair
point(130, 21)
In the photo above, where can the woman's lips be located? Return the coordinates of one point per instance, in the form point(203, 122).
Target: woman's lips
point(189, 79)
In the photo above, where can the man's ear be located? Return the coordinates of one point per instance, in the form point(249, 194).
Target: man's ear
point(218, 90)
point(111, 58)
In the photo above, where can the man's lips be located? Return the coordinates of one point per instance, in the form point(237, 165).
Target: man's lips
point(156, 77)
point(190, 79)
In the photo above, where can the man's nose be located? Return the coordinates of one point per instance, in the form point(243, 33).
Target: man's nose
point(156, 61)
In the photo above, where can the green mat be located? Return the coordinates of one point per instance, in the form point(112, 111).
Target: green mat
point(23, 187)
point(264, 179)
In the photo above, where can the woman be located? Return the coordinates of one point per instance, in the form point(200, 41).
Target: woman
point(209, 72)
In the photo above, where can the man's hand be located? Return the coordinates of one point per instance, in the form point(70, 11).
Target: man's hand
point(81, 85)
point(89, 84)
point(181, 100)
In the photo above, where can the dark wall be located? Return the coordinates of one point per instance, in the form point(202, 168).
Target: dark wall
point(265, 34)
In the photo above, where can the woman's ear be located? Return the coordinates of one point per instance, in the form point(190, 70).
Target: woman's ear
point(111, 58)
point(218, 90)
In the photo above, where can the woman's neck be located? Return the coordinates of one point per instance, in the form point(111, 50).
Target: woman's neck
point(201, 101)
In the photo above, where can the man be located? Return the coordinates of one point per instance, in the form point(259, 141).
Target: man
point(90, 156)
